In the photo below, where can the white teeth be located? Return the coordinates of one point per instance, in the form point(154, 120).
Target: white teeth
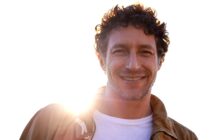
point(132, 78)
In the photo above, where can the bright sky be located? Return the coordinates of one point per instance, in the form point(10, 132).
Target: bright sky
point(46, 56)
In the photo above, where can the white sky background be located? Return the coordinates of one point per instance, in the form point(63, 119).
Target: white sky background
point(46, 56)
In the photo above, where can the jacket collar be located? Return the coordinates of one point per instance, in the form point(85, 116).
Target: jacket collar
point(161, 122)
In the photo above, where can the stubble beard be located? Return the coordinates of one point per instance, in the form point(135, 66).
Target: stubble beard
point(130, 96)
point(135, 95)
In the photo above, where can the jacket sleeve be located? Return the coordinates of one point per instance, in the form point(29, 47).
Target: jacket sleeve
point(50, 123)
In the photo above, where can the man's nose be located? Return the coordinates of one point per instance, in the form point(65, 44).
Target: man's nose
point(133, 62)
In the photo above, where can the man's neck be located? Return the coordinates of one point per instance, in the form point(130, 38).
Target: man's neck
point(127, 109)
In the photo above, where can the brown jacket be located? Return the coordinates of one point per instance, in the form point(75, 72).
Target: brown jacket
point(55, 123)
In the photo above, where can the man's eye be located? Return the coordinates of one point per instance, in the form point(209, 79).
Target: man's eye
point(146, 53)
point(119, 51)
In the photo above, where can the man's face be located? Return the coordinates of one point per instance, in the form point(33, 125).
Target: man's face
point(131, 63)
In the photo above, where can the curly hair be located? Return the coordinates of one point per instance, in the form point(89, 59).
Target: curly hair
point(139, 17)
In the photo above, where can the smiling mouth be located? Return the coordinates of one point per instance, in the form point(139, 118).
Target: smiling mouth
point(133, 78)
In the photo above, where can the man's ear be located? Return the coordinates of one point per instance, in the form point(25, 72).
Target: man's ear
point(101, 60)
point(160, 61)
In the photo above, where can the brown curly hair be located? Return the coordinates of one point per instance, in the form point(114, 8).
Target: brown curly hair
point(139, 17)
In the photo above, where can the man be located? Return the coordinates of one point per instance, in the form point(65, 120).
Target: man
point(131, 44)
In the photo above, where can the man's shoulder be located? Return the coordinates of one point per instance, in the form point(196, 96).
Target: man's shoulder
point(182, 131)
point(55, 107)
point(50, 121)
point(54, 110)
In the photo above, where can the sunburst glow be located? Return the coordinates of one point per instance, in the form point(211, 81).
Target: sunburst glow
point(78, 104)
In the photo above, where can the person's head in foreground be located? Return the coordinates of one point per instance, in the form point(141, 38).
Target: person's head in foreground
point(131, 44)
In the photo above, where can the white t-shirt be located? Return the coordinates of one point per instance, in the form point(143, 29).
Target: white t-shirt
point(112, 128)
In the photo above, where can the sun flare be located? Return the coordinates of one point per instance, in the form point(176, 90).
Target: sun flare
point(78, 104)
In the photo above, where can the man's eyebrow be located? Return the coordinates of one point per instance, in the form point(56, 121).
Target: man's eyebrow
point(119, 46)
point(146, 46)
point(141, 46)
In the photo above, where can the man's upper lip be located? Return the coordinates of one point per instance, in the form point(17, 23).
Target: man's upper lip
point(133, 77)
